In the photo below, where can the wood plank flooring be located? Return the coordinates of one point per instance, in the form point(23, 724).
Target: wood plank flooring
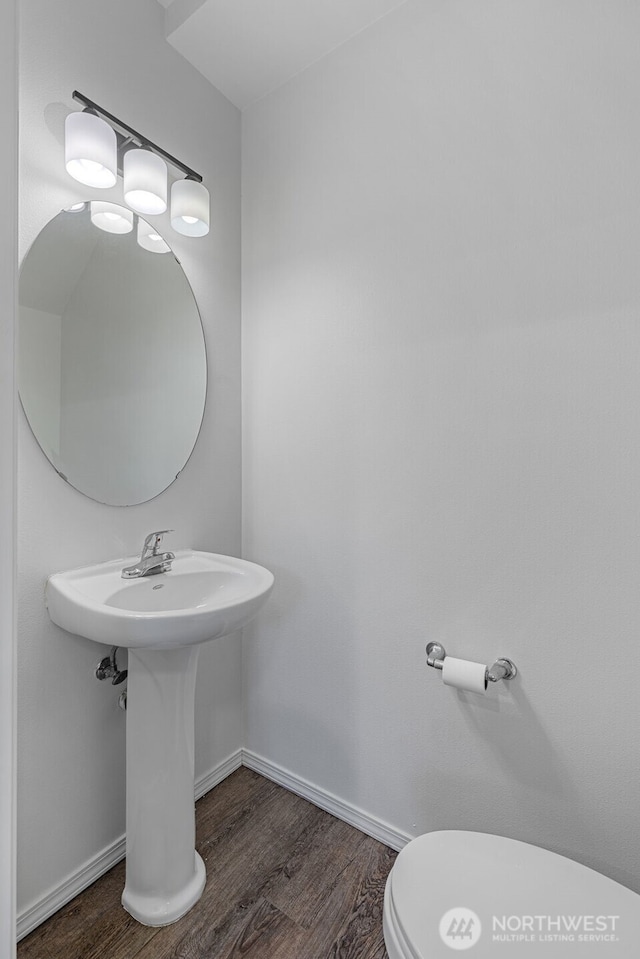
point(285, 880)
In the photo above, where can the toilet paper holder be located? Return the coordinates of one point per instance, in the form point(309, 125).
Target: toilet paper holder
point(502, 668)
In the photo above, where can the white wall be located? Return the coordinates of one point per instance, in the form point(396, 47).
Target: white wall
point(441, 298)
point(8, 265)
point(71, 732)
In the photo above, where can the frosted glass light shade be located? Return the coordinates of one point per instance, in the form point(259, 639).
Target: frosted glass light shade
point(110, 217)
point(90, 150)
point(190, 208)
point(149, 239)
point(145, 181)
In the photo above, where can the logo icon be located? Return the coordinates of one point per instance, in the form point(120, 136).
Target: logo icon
point(460, 928)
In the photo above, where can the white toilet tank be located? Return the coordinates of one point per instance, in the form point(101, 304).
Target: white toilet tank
point(485, 895)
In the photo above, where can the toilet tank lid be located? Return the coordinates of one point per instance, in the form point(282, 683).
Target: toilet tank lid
point(515, 889)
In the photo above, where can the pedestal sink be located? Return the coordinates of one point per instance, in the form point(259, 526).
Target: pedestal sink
point(162, 619)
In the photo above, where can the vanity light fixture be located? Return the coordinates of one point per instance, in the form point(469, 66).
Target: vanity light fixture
point(190, 208)
point(110, 217)
point(149, 239)
point(90, 150)
point(98, 146)
point(145, 182)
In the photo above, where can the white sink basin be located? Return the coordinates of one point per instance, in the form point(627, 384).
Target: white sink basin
point(204, 596)
point(163, 619)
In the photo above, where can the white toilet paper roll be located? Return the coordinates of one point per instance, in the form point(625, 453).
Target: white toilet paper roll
point(464, 674)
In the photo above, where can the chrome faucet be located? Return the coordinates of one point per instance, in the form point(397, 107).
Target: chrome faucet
point(151, 560)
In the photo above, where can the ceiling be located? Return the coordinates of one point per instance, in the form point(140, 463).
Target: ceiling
point(247, 48)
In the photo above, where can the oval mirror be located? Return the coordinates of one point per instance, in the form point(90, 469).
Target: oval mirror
point(112, 368)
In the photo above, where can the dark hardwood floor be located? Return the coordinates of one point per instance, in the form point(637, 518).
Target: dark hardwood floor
point(285, 880)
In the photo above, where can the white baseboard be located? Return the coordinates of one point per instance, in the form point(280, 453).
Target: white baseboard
point(69, 888)
point(220, 772)
point(33, 915)
point(366, 823)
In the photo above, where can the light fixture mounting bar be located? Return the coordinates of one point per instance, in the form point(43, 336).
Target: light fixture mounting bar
point(133, 134)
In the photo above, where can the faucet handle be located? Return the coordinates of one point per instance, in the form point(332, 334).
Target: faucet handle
point(154, 538)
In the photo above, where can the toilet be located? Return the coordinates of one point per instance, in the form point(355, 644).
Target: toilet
point(455, 891)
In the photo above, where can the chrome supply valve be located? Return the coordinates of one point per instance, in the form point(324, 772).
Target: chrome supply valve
point(108, 669)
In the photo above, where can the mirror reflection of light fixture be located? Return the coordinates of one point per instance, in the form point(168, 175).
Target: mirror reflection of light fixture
point(90, 150)
point(99, 146)
point(190, 208)
point(145, 181)
point(149, 239)
point(110, 217)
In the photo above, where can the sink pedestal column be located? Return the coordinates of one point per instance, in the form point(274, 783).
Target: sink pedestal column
point(165, 875)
